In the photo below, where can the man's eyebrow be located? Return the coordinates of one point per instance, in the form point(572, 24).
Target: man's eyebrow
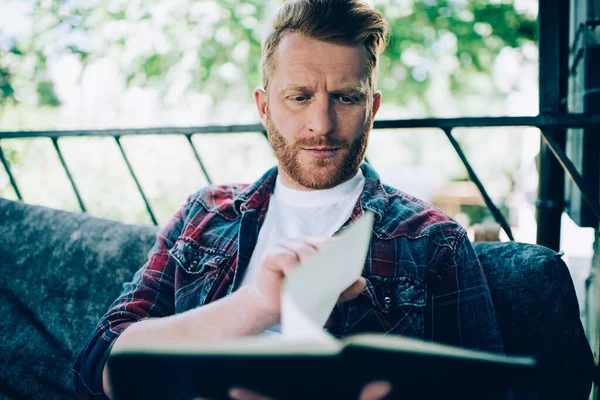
point(296, 88)
point(355, 90)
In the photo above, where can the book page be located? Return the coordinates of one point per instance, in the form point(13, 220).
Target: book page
point(249, 346)
point(312, 290)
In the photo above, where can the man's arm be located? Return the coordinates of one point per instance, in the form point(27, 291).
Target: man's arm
point(233, 316)
point(463, 313)
point(145, 310)
point(149, 295)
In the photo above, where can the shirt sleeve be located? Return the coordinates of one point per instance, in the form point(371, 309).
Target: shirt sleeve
point(150, 294)
point(463, 312)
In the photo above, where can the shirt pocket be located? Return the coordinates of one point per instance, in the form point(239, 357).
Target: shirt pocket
point(195, 259)
point(393, 306)
point(197, 271)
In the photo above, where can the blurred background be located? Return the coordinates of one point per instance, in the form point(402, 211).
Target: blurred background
point(99, 64)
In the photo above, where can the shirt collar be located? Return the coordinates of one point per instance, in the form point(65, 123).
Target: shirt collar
point(373, 198)
point(255, 195)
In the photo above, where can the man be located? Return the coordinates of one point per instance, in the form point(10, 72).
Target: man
point(216, 269)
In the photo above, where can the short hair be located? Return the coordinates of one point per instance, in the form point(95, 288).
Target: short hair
point(349, 22)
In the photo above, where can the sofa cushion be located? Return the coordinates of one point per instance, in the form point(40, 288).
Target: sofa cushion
point(59, 273)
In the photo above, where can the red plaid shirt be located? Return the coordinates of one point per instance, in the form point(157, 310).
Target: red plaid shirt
point(423, 276)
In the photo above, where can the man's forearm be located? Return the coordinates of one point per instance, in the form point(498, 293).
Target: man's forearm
point(228, 318)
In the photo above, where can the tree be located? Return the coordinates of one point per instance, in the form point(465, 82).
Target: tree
point(213, 47)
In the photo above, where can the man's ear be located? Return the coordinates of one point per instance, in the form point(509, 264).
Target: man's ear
point(260, 98)
point(376, 103)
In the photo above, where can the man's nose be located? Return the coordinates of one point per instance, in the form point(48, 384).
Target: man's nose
point(322, 117)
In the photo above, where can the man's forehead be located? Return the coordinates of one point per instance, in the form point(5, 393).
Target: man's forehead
point(297, 53)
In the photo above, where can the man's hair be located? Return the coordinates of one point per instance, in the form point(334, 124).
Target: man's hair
point(349, 22)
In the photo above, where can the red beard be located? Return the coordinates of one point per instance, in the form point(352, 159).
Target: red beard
point(320, 173)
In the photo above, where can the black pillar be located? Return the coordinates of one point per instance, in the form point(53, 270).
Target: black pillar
point(553, 42)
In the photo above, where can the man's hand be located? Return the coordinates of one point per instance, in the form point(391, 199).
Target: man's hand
point(266, 296)
point(373, 391)
point(279, 262)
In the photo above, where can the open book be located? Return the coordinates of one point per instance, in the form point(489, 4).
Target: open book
point(306, 362)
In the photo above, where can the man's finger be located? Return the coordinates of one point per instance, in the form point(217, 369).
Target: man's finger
point(301, 250)
point(375, 390)
point(353, 291)
point(243, 394)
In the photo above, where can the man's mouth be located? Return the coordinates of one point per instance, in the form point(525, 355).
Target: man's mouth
point(322, 152)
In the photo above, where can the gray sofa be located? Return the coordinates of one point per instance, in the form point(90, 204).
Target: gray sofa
point(60, 271)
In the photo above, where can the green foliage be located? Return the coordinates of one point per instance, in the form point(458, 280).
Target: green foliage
point(46, 94)
point(12, 156)
point(462, 38)
point(215, 44)
point(6, 90)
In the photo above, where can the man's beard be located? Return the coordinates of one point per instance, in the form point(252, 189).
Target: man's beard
point(315, 176)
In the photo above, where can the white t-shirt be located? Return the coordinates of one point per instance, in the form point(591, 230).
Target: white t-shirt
point(295, 213)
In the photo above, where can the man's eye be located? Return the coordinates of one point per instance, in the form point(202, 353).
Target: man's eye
point(347, 99)
point(298, 99)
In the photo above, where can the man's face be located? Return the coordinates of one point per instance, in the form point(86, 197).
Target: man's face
point(318, 111)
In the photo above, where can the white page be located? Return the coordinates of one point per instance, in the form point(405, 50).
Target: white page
point(311, 291)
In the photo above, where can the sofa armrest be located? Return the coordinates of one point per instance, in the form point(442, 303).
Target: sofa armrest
point(538, 313)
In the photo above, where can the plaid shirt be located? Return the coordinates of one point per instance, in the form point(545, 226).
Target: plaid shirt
point(423, 276)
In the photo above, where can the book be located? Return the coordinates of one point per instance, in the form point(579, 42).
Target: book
point(306, 362)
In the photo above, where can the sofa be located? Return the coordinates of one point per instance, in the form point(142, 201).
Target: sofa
point(59, 272)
